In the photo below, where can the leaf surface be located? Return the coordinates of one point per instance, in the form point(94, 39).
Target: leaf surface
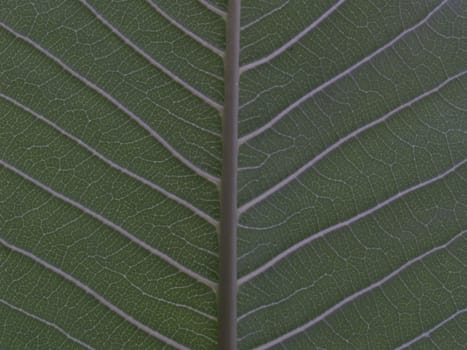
point(352, 193)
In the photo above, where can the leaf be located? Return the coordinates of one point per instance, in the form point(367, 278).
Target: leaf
point(352, 201)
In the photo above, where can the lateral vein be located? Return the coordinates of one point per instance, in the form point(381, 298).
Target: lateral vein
point(151, 60)
point(292, 41)
point(114, 165)
point(303, 243)
point(113, 226)
point(213, 8)
point(289, 179)
point(48, 323)
point(95, 295)
point(357, 295)
point(121, 107)
point(336, 78)
point(263, 16)
point(428, 333)
point(186, 30)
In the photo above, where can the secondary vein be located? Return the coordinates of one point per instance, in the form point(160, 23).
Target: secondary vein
point(114, 165)
point(130, 319)
point(112, 225)
point(171, 149)
point(305, 242)
point(151, 60)
point(358, 294)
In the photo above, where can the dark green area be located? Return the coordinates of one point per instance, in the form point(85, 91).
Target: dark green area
point(99, 141)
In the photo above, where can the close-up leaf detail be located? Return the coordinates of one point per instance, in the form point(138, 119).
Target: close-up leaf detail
point(226, 174)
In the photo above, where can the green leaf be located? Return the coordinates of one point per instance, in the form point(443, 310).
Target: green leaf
point(117, 120)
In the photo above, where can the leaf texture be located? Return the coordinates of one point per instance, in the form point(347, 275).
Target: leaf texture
point(352, 174)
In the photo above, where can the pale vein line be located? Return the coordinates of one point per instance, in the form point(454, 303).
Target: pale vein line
point(50, 324)
point(160, 300)
point(345, 223)
point(281, 301)
point(341, 75)
point(117, 104)
point(213, 8)
point(186, 30)
point(94, 294)
point(114, 226)
point(151, 60)
point(428, 333)
point(260, 18)
point(292, 41)
point(357, 295)
point(114, 165)
point(343, 140)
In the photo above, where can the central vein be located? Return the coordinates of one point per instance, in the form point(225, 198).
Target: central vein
point(228, 224)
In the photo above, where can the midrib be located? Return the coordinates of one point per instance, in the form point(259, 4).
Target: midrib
point(228, 224)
